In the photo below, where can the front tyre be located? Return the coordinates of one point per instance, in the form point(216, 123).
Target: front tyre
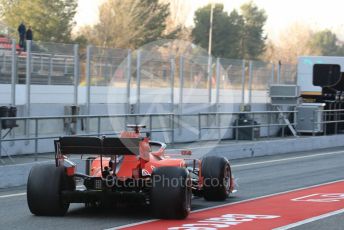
point(217, 175)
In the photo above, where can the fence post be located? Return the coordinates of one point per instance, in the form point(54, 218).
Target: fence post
point(243, 82)
point(199, 127)
point(172, 69)
point(13, 73)
point(272, 73)
point(0, 138)
point(279, 72)
point(88, 86)
point(172, 126)
point(181, 79)
point(150, 125)
point(209, 79)
point(28, 87)
point(324, 123)
point(51, 63)
point(250, 82)
point(76, 73)
point(36, 138)
point(217, 99)
point(128, 80)
point(88, 79)
point(98, 126)
point(237, 128)
point(65, 66)
point(28, 77)
point(138, 81)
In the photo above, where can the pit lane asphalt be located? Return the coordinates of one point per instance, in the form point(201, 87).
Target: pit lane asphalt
point(256, 177)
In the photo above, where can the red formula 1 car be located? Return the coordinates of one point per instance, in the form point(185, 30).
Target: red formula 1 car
point(129, 165)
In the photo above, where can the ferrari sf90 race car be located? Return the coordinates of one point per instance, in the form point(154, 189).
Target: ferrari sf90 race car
point(128, 165)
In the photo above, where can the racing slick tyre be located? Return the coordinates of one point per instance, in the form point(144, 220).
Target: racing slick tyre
point(44, 187)
point(216, 174)
point(171, 193)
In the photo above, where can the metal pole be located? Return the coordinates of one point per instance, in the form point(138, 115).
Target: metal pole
point(36, 138)
point(181, 79)
point(76, 73)
point(28, 77)
point(0, 138)
point(98, 126)
point(199, 127)
point(209, 78)
point(217, 99)
point(211, 29)
point(128, 80)
point(237, 129)
point(250, 82)
point(88, 86)
point(50, 68)
point(138, 81)
point(88, 79)
point(172, 126)
point(13, 73)
point(172, 69)
point(42, 64)
point(313, 120)
point(65, 66)
point(272, 73)
point(279, 72)
point(243, 82)
point(150, 124)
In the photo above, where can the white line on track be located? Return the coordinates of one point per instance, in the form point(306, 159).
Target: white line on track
point(23, 193)
point(289, 159)
point(38, 162)
point(13, 195)
point(310, 220)
point(230, 204)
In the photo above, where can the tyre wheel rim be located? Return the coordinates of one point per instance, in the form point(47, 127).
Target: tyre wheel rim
point(227, 179)
point(188, 196)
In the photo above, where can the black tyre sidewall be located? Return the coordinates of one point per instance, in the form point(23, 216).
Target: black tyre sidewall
point(213, 168)
point(171, 201)
point(44, 186)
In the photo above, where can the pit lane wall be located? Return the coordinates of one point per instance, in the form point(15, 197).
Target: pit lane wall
point(16, 174)
point(51, 100)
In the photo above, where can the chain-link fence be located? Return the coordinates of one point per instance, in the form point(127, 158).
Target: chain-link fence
point(261, 76)
point(231, 76)
point(288, 74)
point(52, 63)
point(109, 75)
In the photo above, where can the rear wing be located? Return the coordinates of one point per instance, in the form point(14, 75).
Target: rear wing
point(98, 146)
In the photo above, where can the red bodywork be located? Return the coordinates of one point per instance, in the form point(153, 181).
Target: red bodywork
point(130, 165)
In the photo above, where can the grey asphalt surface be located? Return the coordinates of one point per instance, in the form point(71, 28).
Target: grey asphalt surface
point(255, 178)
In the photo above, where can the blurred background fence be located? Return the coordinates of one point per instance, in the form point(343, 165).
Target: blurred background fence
point(63, 73)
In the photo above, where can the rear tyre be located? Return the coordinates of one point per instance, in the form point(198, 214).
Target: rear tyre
point(216, 174)
point(44, 187)
point(171, 193)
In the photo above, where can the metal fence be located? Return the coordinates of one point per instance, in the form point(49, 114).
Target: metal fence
point(138, 76)
point(36, 134)
point(328, 122)
point(167, 127)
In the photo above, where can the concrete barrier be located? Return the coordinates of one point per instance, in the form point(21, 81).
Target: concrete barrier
point(16, 174)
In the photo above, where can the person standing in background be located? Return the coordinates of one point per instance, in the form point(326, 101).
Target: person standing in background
point(29, 35)
point(21, 31)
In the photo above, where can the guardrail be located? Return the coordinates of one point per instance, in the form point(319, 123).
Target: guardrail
point(164, 123)
point(331, 122)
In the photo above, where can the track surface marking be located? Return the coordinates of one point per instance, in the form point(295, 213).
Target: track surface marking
point(264, 213)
